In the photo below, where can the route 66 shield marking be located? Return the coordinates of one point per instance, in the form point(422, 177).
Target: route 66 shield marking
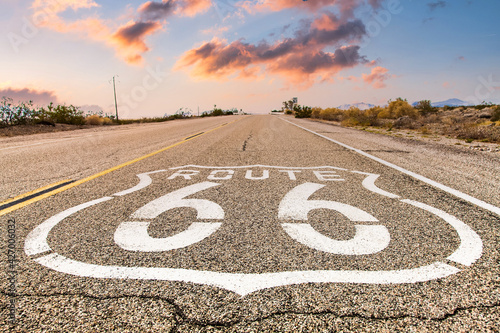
point(371, 235)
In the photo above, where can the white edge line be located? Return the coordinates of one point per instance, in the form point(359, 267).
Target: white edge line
point(440, 186)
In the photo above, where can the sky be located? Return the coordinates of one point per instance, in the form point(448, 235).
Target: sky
point(244, 54)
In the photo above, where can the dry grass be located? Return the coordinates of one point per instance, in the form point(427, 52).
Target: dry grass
point(96, 120)
point(478, 123)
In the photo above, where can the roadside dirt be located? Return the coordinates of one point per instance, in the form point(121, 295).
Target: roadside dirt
point(429, 136)
point(11, 131)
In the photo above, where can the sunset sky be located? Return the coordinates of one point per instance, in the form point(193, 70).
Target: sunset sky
point(247, 54)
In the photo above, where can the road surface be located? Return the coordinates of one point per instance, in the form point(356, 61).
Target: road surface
point(245, 224)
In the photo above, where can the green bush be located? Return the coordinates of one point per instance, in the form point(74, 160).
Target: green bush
point(425, 107)
point(302, 111)
point(62, 114)
point(496, 114)
point(21, 114)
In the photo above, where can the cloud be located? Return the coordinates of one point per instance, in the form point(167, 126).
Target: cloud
point(377, 77)
point(194, 7)
point(153, 11)
point(461, 58)
point(299, 59)
point(345, 8)
point(437, 4)
point(24, 95)
point(128, 39)
point(215, 31)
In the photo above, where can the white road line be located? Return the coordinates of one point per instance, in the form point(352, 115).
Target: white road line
point(206, 209)
point(144, 181)
point(36, 241)
point(295, 205)
point(440, 186)
point(369, 184)
point(134, 236)
point(471, 245)
point(369, 239)
point(244, 284)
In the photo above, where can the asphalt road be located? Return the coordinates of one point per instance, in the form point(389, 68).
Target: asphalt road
point(260, 223)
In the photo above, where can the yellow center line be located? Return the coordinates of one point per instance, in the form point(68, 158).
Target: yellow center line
point(27, 194)
point(97, 175)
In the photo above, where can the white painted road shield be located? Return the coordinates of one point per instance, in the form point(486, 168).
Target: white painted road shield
point(369, 239)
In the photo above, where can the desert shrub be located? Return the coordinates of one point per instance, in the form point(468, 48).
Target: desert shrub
point(425, 107)
point(354, 117)
point(20, 114)
point(316, 111)
point(107, 121)
point(302, 111)
point(482, 106)
point(496, 114)
point(331, 114)
point(93, 120)
point(350, 122)
point(476, 132)
point(62, 114)
point(96, 120)
point(398, 108)
point(431, 119)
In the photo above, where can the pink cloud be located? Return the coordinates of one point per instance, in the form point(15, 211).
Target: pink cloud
point(39, 97)
point(344, 7)
point(377, 77)
point(301, 59)
point(130, 42)
point(194, 7)
point(129, 39)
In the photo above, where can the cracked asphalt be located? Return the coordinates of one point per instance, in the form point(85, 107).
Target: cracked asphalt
point(253, 226)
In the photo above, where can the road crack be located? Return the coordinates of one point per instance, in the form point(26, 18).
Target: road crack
point(181, 318)
point(244, 148)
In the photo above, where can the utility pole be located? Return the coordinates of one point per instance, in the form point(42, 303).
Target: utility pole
point(116, 104)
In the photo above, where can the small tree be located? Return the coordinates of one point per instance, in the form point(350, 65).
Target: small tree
point(425, 107)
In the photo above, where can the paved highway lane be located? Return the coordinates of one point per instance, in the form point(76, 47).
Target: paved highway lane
point(34, 161)
point(258, 225)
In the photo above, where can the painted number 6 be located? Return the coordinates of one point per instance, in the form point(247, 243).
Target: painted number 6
point(369, 239)
point(133, 236)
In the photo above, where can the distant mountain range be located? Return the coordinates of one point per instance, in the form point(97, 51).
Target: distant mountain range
point(361, 106)
point(449, 102)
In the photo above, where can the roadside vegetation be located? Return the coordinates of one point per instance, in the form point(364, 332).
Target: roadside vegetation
point(470, 123)
point(24, 113)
